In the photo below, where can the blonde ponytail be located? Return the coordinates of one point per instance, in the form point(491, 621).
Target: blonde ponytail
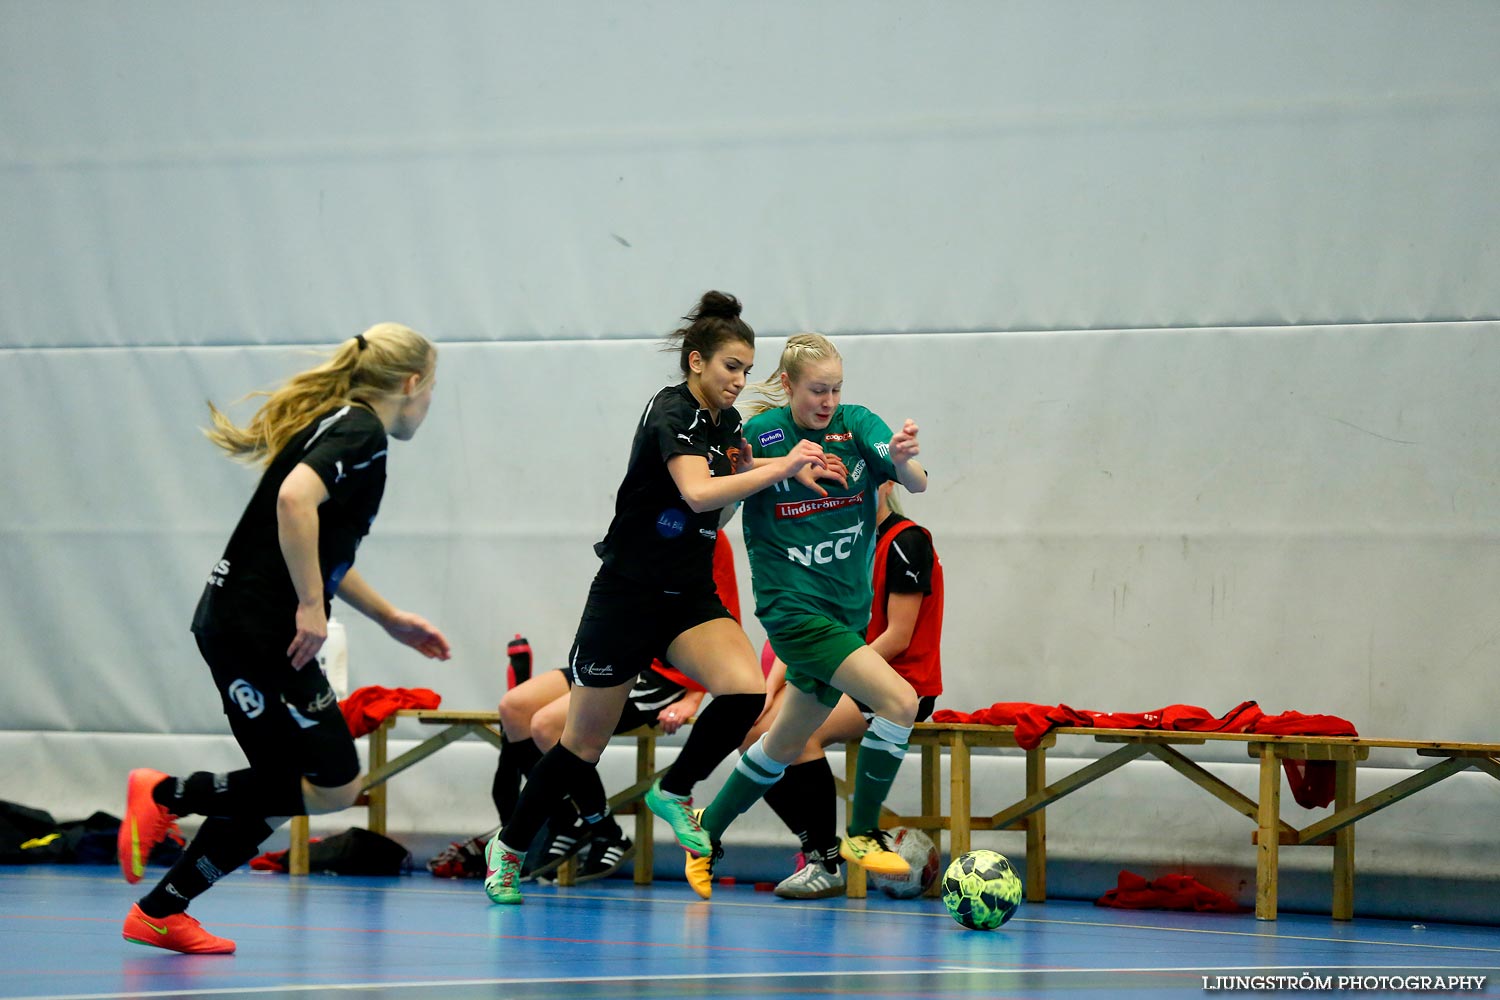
point(361, 370)
point(893, 499)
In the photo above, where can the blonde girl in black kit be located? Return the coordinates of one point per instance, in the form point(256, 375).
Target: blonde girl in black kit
point(263, 616)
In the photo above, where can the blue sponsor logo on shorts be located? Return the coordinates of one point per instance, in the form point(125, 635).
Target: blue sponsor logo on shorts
point(771, 437)
point(670, 523)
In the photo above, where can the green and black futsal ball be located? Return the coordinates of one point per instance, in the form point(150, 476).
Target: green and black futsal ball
point(981, 890)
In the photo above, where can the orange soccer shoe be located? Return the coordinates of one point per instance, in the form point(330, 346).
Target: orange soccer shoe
point(178, 932)
point(872, 852)
point(145, 825)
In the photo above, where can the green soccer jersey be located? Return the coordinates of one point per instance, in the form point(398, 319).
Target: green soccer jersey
point(812, 554)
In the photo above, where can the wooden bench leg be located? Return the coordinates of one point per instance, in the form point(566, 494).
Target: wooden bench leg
point(932, 805)
point(645, 847)
point(376, 807)
point(1036, 828)
point(1343, 843)
point(958, 795)
point(296, 856)
point(857, 887)
point(1268, 836)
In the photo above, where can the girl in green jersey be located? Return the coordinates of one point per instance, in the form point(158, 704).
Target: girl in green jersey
point(810, 560)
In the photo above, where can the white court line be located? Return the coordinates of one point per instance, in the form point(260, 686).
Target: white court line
point(578, 980)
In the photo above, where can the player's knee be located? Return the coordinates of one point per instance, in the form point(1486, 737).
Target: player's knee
point(781, 749)
point(587, 748)
point(329, 798)
point(901, 706)
point(761, 727)
point(739, 679)
point(545, 732)
point(514, 718)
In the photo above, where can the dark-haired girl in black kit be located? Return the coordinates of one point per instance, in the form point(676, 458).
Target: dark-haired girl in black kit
point(654, 594)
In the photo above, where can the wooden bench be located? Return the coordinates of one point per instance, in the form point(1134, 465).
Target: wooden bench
point(486, 726)
point(1271, 831)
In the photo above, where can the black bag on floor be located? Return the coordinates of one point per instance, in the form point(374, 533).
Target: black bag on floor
point(23, 832)
point(357, 851)
point(32, 837)
point(93, 841)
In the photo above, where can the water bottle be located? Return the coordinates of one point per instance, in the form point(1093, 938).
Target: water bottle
point(333, 658)
point(519, 671)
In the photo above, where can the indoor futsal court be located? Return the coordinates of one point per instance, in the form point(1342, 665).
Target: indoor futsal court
point(1052, 447)
point(420, 937)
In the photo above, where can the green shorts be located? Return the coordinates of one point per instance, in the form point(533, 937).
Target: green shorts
point(813, 647)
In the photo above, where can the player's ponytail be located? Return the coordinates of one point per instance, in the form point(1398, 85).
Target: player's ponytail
point(801, 350)
point(712, 323)
point(361, 370)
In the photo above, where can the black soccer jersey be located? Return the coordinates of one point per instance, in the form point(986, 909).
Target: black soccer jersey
point(655, 538)
point(908, 570)
point(250, 589)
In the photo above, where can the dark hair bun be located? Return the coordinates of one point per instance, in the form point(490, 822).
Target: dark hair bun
point(720, 305)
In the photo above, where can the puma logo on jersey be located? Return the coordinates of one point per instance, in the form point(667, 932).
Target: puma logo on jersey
point(326, 423)
point(338, 470)
point(913, 574)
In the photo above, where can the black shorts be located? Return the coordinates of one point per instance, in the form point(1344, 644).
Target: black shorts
point(287, 721)
point(648, 696)
point(925, 704)
point(626, 625)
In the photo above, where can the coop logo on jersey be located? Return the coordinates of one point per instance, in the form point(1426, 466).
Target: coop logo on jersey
point(670, 523)
point(825, 552)
point(771, 437)
point(846, 436)
point(250, 701)
point(807, 508)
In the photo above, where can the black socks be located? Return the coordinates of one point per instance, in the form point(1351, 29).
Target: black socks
point(718, 732)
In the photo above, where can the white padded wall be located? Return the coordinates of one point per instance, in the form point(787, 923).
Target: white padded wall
point(176, 172)
point(1128, 518)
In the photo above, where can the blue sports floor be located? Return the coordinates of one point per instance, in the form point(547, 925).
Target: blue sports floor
point(418, 937)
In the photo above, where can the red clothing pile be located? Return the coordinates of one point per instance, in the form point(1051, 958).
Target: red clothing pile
point(1170, 892)
point(367, 707)
point(1311, 782)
